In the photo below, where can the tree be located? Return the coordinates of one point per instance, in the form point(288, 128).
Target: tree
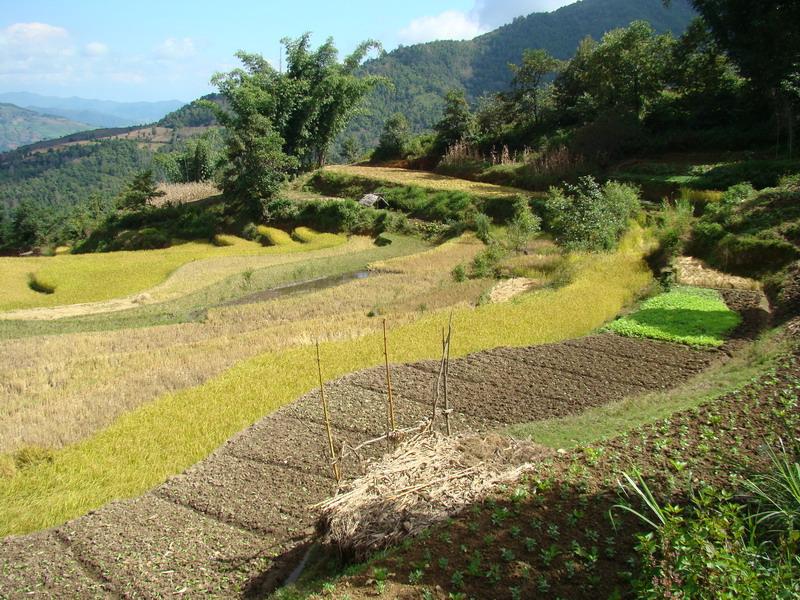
point(624, 72)
point(256, 164)
point(307, 106)
point(457, 123)
point(703, 75)
point(523, 226)
point(394, 139)
point(351, 149)
point(528, 81)
point(763, 39)
point(139, 193)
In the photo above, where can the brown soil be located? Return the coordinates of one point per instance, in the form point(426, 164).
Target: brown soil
point(213, 530)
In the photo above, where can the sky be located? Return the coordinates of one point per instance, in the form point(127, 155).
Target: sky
point(168, 50)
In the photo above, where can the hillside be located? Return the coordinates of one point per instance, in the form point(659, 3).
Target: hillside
point(423, 73)
point(98, 113)
point(21, 126)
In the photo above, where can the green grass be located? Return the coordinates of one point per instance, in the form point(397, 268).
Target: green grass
point(81, 278)
point(694, 316)
point(619, 417)
point(144, 447)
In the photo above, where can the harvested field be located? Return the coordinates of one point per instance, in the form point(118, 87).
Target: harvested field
point(251, 498)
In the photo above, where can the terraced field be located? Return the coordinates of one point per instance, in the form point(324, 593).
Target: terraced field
point(426, 180)
point(216, 529)
point(90, 278)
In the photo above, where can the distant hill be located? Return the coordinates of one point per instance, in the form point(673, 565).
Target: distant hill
point(98, 113)
point(423, 73)
point(22, 126)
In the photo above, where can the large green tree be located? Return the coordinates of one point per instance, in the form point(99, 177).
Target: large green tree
point(394, 138)
point(763, 38)
point(457, 123)
point(528, 83)
point(280, 122)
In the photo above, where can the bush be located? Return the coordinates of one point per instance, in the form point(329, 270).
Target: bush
point(485, 264)
point(750, 255)
point(673, 229)
point(148, 238)
point(523, 227)
point(587, 216)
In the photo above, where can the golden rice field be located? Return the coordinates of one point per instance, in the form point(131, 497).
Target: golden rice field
point(57, 390)
point(82, 278)
point(162, 437)
point(427, 180)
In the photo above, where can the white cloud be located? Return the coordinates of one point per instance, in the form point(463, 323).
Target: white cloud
point(176, 49)
point(484, 16)
point(449, 25)
point(95, 49)
point(35, 51)
point(494, 13)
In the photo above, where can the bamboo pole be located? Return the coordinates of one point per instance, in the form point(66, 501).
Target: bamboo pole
point(392, 423)
point(336, 471)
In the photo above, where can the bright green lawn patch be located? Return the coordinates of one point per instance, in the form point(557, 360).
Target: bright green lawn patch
point(684, 315)
point(165, 437)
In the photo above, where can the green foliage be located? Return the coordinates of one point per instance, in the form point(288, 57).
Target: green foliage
point(195, 114)
point(302, 109)
point(588, 216)
point(528, 80)
point(153, 228)
point(457, 123)
point(523, 227)
point(59, 196)
point(139, 193)
point(712, 549)
point(751, 234)
point(394, 140)
point(196, 161)
point(684, 315)
point(673, 228)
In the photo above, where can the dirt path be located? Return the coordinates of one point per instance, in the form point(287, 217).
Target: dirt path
point(214, 530)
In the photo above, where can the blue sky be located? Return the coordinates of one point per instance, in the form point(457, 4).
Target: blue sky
point(147, 50)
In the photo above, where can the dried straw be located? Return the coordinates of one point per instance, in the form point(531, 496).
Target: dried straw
point(427, 479)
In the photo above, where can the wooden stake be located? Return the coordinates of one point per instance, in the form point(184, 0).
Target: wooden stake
point(446, 372)
point(438, 386)
point(392, 424)
point(336, 472)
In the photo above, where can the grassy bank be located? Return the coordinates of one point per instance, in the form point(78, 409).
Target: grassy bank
point(164, 437)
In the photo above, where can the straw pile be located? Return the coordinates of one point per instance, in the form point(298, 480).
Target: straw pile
point(427, 479)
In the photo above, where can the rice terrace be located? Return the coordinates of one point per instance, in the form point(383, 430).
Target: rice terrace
point(511, 316)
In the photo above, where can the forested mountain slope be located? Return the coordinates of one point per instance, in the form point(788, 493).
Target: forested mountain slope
point(423, 73)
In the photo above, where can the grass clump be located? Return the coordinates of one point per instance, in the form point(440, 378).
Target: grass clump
point(304, 235)
point(698, 317)
point(270, 236)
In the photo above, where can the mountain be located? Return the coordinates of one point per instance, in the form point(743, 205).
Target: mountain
point(99, 113)
point(21, 126)
point(422, 74)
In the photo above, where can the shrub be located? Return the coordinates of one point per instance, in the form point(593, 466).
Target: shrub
point(587, 216)
point(250, 232)
point(37, 284)
point(281, 210)
point(485, 264)
point(383, 240)
point(736, 194)
point(750, 255)
point(673, 229)
point(147, 238)
point(481, 224)
point(524, 226)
